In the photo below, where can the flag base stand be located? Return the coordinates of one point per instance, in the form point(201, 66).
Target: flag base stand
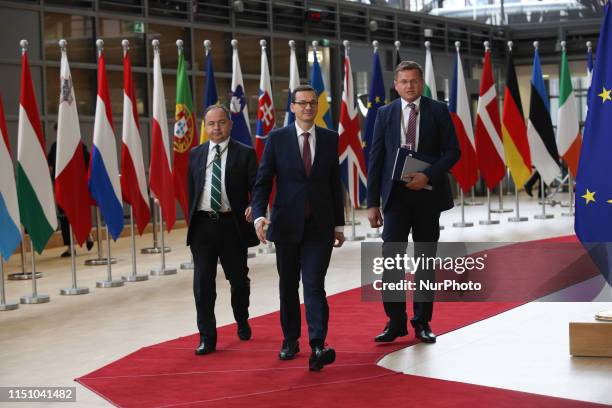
point(267, 249)
point(135, 278)
point(163, 271)
point(109, 284)
point(4, 307)
point(32, 300)
point(502, 210)
point(100, 261)
point(373, 234)
point(604, 316)
point(543, 216)
point(568, 214)
point(471, 203)
point(518, 219)
point(187, 265)
point(154, 250)
point(463, 224)
point(74, 291)
point(251, 255)
point(24, 275)
point(488, 222)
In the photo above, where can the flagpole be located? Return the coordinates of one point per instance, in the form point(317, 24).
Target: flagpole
point(543, 216)
point(488, 221)
point(570, 188)
point(472, 201)
point(134, 276)
point(23, 275)
point(501, 208)
point(99, 260)
point(109, 282)
point(163, 270)
point(518, 217)
point(73, 290)
point(4, 305)
point(462, 224)
point(35, 298)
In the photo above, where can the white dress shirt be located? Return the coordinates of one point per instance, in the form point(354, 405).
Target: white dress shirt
point(204, 204)
point(312, 140)
point(406, 112)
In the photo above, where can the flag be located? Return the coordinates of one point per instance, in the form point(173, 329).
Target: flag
point(9, 208)
point(540, 133)
point(133, 177)
point(160, 175)
point(430, 79)
point(593, 223)
point(104, 182)
point(238, 105)
point(71, 190)
point(393, 95)
point(266, 119)
point(489, 144)
point(294, 82)
point(34, 188)
point(376, 99)
point(514, 132)
point(210, 92)
point(185, 135)
point(352, 162)
point(568, 127)
point(323, 118)
point(589, 66)
point(466, 169)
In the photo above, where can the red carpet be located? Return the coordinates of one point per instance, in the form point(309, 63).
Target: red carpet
point(241, 373)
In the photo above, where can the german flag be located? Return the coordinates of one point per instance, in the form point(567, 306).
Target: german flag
point(514, 131)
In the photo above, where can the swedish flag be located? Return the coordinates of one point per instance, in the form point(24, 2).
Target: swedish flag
point(323, 118)
point(593, 223)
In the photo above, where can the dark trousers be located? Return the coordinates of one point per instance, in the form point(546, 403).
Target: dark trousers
point(410, 212)
point(310, 257)
point(214, 240)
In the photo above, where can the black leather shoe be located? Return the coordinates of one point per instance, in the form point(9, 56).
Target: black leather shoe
point(244, 331)
point(321, 356)
point(423, 332)
point(391, 333)
point(89, 244)
point(205, 348)
point(288, 350)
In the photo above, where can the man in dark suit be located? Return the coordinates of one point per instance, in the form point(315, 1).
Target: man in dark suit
point(221, 175)
point(306, 222)
point(424, 125)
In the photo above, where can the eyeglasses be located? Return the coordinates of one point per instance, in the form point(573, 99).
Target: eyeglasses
point(304, 103)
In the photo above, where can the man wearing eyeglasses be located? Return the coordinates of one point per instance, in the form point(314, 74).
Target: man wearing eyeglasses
point(306, 221)
point(221, 174)
point(423, 125)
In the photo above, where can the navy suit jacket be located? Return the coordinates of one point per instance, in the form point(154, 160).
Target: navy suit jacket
point(322, 189)
point(437, 138)
point(240, 172)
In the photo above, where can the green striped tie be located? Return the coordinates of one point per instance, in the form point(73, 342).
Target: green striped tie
point(215, 187)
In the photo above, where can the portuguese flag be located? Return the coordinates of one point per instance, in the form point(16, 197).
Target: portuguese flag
point(184, 135)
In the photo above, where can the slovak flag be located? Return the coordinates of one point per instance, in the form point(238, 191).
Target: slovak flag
point(103, 169)
point(265, 108)
point(466, 169)
point(352, 160)
point(238, 107)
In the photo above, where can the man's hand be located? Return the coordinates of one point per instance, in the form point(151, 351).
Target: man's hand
point(259, 229)
point(338, 239)
point(375, 218)
point(418, 181)
point(248, 214)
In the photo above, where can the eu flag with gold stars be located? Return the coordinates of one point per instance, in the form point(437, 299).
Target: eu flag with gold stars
point(376, 99)
point(593, 224)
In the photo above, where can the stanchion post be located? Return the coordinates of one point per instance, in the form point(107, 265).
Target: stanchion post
point(462, 224)
point(109, 282)
point(488, 221)
point(163, 270)
point(35, 298)
point(133, 276)
point(518, 217)
point(73, 290)
point(543, 216)
point(4, 305)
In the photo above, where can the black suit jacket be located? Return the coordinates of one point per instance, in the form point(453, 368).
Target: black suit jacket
point(240, 172)
point(322, 189)
point(437, 138)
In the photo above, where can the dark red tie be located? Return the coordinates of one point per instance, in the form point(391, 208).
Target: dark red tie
point(306, 155)
point(411, 130)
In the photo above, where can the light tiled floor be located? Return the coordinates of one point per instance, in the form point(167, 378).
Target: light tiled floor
point(51, 344)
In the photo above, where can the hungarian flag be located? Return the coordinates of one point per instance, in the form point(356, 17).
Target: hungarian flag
point(540, 133)
point(185, 135)
point(323, 118)
point(104, 182)
point(9, 208)
point(265, 107)
point(568, 128)
point(210, 92)
point(352, 160)
point(133, 178)
point(489, 143)
point(514, 132)
point(238, 103)
point(34, 188)
point(71, 189)
point(466, 169)
point(430, 78)
point(294, 82)
point(160, 173)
